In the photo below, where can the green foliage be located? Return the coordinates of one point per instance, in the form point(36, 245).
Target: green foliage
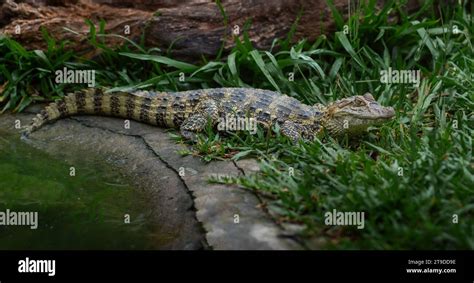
point(430, 141)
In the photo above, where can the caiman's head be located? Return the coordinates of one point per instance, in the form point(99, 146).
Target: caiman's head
point(354, 115)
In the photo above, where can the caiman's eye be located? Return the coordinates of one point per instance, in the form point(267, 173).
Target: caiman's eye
point(369, 97)
point(359, 102)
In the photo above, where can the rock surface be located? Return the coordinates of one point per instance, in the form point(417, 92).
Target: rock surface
point(198, 214)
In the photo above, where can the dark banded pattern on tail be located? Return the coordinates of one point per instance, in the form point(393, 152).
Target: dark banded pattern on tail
point(151, 109)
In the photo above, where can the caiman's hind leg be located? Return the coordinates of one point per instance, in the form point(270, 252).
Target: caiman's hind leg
point(205, 111)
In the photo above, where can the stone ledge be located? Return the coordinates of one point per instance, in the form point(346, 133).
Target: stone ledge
point(142, 149)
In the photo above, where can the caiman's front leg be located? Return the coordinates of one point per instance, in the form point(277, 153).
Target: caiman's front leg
point(296, 131)
point(205, 111)
point(292, 130)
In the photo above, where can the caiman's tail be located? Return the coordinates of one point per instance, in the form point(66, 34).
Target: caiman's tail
point(88, 101)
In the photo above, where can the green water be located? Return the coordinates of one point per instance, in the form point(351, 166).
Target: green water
point(87, 211)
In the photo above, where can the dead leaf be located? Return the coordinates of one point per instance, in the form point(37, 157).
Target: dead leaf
point(2, 87)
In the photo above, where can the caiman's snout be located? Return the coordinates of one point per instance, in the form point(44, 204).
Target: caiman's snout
point(378, 111)
point(389, 112)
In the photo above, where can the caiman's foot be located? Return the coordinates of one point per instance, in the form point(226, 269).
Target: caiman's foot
point(206, 111)
point(189, 135)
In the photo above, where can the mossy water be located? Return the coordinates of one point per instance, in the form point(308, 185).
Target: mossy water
point(86, 211)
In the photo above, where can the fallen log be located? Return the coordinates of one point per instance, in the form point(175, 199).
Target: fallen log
point(191, 28)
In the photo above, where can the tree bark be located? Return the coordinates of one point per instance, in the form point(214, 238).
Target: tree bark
point(191, 28)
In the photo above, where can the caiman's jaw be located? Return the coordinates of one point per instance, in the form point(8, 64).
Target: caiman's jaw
point(354, 115)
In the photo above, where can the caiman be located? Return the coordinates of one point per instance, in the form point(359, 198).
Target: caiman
point(190, 111)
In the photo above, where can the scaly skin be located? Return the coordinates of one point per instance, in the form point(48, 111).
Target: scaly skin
point(190, 111)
